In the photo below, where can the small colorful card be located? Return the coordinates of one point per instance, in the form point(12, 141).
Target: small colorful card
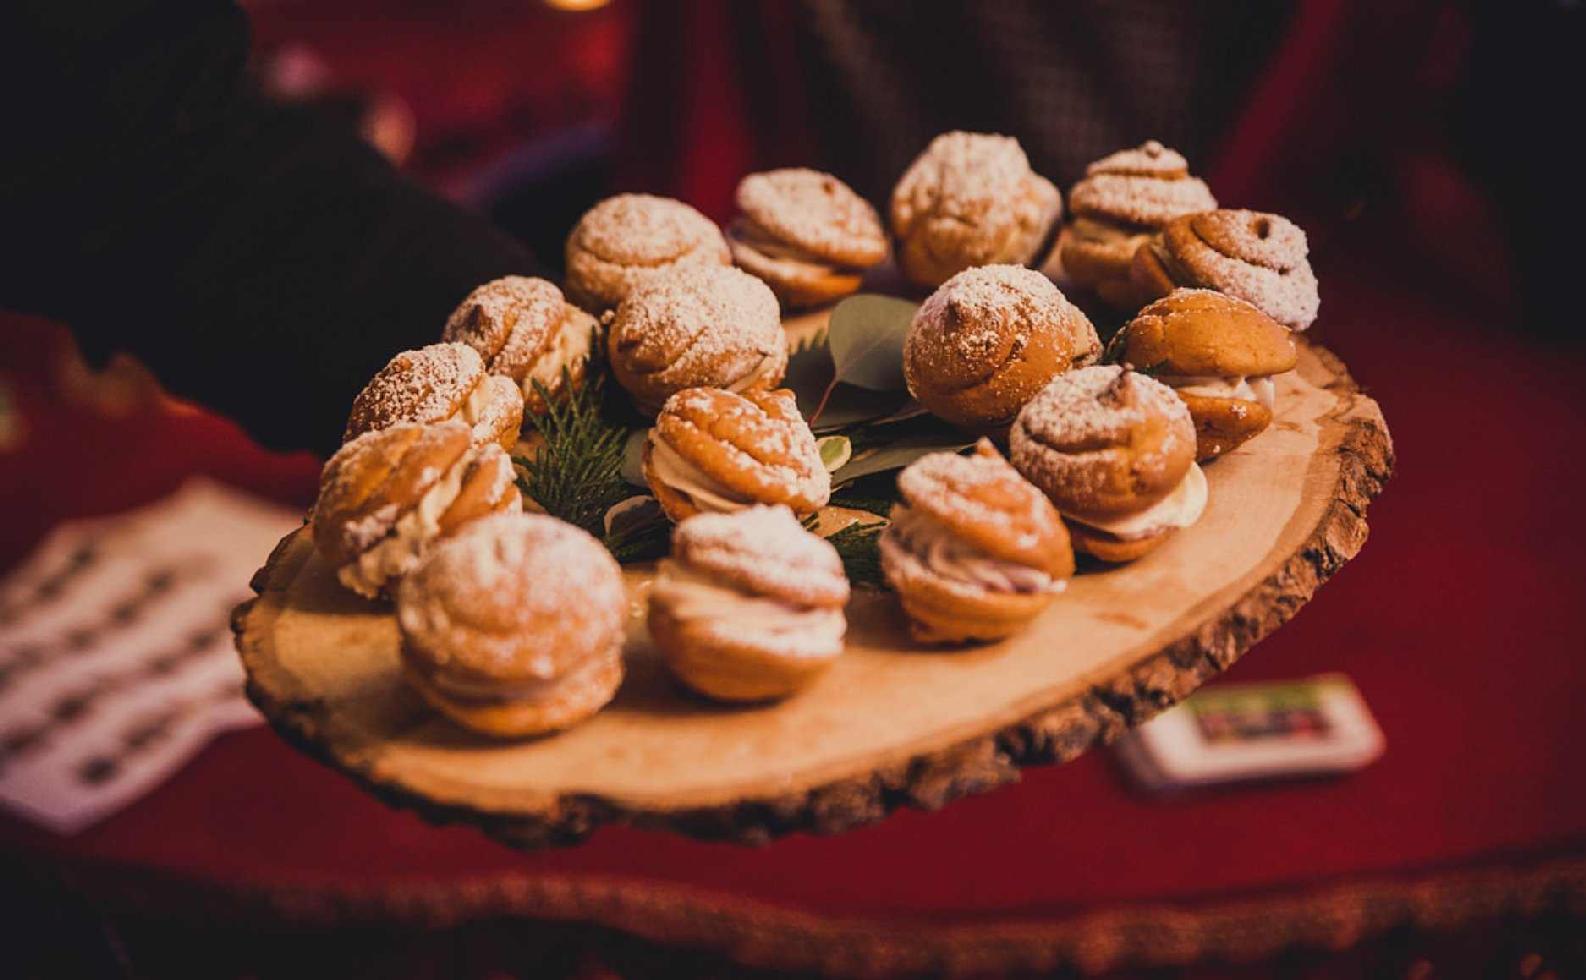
point(1243, 732)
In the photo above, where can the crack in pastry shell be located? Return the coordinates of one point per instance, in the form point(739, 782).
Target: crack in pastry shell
point(704, 327)
point(987, 340)
point(751, 448)
point(524, 329)
point(970, 199)
point(750, 605)
point(439, 383)
point(514, 626)
point(1260, 258)
point(628, 239)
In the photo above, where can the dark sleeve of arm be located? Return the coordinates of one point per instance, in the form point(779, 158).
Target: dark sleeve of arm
point(261, 261)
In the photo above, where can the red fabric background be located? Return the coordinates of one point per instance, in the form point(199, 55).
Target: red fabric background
point(1460, 622)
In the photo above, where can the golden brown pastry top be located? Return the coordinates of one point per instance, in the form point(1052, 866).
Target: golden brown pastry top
point(701, 326)
point(988, 339)
point(370, 482)
point(983, 500)
point(1144, 186)
point(436, 384)
point(814, 214)
point(763, 551)
point(1260, 258)
point(1201, 332)
point(1102, 441)
point(514, 322)
point(756, 445)
point(513, 598)
point(970, 199)
point(626, 239)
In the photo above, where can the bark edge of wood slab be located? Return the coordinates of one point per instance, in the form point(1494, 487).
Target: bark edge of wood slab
point(322, 667)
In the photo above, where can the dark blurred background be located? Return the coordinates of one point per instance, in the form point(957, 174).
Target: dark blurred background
point(1429, 150)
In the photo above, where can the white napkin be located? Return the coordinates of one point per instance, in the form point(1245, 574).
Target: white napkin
point(116, 658)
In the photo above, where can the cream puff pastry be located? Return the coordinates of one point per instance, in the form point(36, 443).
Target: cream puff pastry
point(1261, 258)
point(709, 327)
point(388, 495)
point(714, 451)
point(1123, 200)
point(523, 329)
point(627, 239)
point(806, 234)
point(970, 199)
point(439, 383)
point(749, 606)
point(987, 340)
point(1115, 452)
point(514, 626)
point(1219, 353)
point(974, 552)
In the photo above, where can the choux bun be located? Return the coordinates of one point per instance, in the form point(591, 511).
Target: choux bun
point(987, 340)
point(970, 199)
point(439, 383)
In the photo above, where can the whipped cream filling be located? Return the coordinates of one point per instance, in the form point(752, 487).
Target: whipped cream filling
point(1261, 389)
point(1180, 508)
point(773, 251)
point(768, 365)
point(397, 553)
point(681, 476)
point(571, 347)
point(793, 629)
point(917, 542)
point(475, 413)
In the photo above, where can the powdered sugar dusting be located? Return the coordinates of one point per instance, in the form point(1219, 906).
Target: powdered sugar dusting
point(1260, 258)
point(424, 385)
point(642, 229)
point(815, 213)
point(700, 325)
point(1087, 413)
point(764, 551)
point(1144, 187)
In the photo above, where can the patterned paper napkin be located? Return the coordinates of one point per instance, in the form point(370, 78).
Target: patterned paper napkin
point(116, 659)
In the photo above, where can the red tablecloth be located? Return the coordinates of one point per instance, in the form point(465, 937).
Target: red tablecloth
point(1460, 622)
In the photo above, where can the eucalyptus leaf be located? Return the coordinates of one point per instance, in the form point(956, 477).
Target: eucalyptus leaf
point(633, 458)
point(866, 340)
point(835, 451)
point(635, 512)
point(899, 454)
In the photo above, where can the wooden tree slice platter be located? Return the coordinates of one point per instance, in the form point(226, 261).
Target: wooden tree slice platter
point(890, 724)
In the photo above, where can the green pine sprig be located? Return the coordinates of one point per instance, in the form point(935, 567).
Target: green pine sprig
point(857, 546)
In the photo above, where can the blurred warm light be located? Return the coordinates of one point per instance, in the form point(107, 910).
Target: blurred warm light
point(576, 4)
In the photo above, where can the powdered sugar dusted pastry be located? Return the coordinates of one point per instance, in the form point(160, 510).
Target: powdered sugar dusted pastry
point(970, 199)
point(973, 551)
point(514, 626)
point(749, 606)
point(806, 234)
point(987, 340)
point(1219, 353)
point(708, 327)
point(1260, 258)
point(439, 383)
point(1123, 200)
point(1115, 451)
point(387, 495)
point(525, 330)
point(624, 240)
point(716, 451)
